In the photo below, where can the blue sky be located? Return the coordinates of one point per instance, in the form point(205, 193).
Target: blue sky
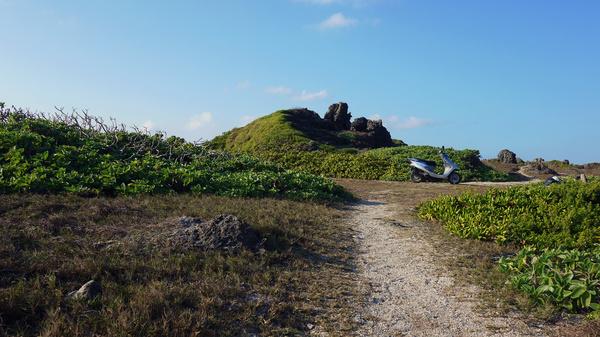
point(469, 74)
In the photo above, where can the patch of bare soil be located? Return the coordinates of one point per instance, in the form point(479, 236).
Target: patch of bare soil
point(412, 291)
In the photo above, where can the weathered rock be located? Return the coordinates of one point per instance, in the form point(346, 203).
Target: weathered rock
point(583, 178)
point(88, 291)
point(225, 232)
point(566, 162)
point(506, 156)
point(338, 115)
point(359, 124)
point(379, 134)
point(538, 167)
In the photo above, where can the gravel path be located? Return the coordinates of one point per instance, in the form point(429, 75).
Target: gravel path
point(410, 296)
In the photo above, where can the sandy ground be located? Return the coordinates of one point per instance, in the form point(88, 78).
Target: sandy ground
point(411, 295)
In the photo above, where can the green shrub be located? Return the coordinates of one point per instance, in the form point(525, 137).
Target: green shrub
point(566, 278)
point(558, 227)
point(562, 215)
point(82, 155)
point(380, 164)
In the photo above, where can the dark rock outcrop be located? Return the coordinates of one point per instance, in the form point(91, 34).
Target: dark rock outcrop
point(359, 124)
point(506, 156)
point(378, 134)
point(338, 115)
point(335, 129)
point(225, 232)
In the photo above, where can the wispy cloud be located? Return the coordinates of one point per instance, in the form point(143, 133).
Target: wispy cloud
point(200, 121)
point(303, 95)
point(337, 20)
point(148, 125)
point(311, 96)
point(411, 122)
point(278, 90)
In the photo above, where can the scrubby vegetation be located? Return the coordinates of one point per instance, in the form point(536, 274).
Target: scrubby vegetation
point(52, 244)
point(79, 153)
point(331, 155)
point(381, 164)
point(557, 226)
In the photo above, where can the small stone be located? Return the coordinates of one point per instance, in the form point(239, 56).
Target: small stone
point(583, 178)
point(310, 326)
point(88, 291)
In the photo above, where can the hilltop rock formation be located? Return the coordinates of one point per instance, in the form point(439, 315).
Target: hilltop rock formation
point(337, 129)
point(339, 116)
point(359, 124)
point(506, 156)
point(377, 134)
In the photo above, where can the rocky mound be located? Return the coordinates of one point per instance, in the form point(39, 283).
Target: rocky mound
point(337, 129)
point(305, 130)
point(225, 232)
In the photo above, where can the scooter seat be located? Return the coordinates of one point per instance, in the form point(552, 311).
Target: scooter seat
point(427, 162)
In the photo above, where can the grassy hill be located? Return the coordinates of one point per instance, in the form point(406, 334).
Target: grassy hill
point(294, 129)
point(297, 140)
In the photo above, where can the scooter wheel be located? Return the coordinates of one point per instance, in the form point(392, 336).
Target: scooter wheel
point(416, 177)
point(454, 178)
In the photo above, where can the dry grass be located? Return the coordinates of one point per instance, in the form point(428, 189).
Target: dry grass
point(50, 245)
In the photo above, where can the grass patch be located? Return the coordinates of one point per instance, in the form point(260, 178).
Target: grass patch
point(51, 245)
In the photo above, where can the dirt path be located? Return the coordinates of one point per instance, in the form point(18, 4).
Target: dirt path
point(411, 295)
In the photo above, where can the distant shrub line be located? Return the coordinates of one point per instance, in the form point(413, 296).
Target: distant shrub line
point(380, 164)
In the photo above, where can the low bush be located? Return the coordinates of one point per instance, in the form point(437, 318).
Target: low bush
point(566, 278)
point(81, 154)
point(558, 227)
point(380, 164)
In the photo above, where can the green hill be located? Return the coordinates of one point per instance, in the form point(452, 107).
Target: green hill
point(299, 130)
point(300, 139)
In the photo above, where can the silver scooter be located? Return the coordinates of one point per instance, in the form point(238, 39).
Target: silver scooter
point(423, 169)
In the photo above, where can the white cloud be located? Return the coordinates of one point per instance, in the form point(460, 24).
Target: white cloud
point(148, 125)
point(280, 90)
point(337, 20)
point(411, 122)
point(200, 121)
point(311, 96)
